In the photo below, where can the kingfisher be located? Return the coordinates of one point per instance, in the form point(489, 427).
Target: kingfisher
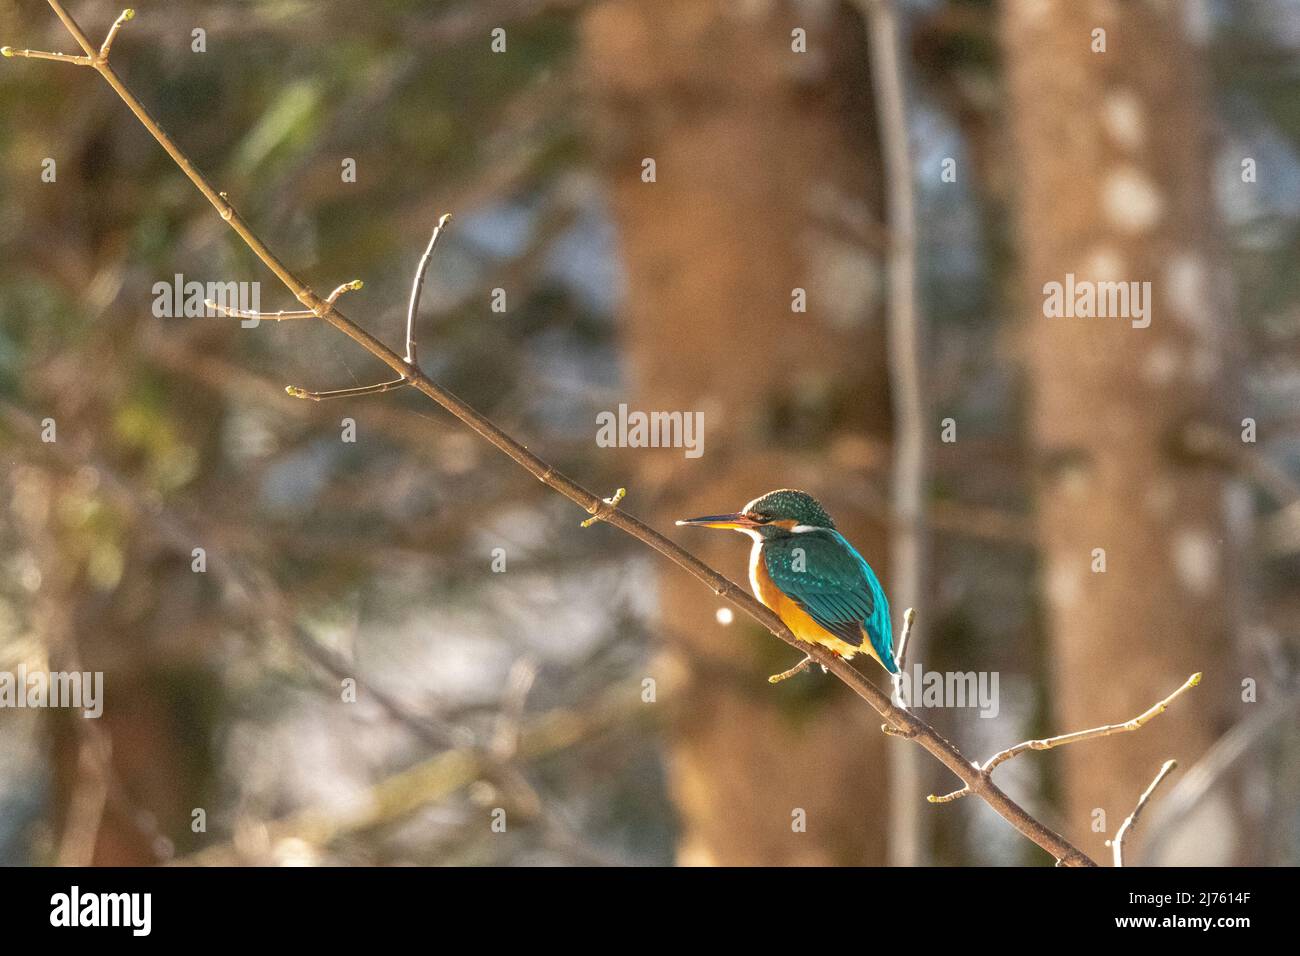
point(809, 574)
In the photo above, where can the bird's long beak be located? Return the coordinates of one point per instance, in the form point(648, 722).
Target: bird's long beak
point(734, 522)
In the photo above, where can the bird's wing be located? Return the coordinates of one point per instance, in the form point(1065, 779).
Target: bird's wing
point(822, 573)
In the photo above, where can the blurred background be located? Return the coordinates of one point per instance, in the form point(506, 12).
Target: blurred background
point(402, 649)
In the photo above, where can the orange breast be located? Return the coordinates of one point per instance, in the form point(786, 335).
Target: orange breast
point(795, 617)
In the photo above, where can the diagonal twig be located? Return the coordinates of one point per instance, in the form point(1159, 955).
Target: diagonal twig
point(418, 286)
point(283, 314)
point(791, 672)
point(909, 619)
point(8, 51)
point(122, 19)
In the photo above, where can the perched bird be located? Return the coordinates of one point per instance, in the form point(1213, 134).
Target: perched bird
point(809, 574)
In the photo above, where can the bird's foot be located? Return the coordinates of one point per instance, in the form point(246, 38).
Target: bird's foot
point(798, 668)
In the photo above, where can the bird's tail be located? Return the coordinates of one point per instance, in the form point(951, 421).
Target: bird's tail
point(880, 631)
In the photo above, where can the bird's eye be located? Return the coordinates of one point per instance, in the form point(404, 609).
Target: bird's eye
point(761, 519)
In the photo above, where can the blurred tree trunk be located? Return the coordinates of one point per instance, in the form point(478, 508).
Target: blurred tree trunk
point(1115, 185)
point(119, 781)
point(767, 181)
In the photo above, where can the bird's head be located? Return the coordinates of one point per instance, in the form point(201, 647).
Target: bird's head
point(777, 512)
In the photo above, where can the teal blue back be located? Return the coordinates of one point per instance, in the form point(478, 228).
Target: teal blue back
point(822, 573)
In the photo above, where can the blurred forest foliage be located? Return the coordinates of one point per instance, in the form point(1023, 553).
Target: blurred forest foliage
point(523, 690)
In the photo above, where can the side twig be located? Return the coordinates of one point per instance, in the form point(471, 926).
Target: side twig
point(909, 619)
point(283, 313)
point(1079, 735)
point(792, 671)
point(900, 656)
point(1117, 844)
point(123, 17)
point(418, 287)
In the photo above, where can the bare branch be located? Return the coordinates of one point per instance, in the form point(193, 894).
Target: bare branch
point(902, 721)
point(1079, 735)
point(909, 618)
point(1117, 845)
